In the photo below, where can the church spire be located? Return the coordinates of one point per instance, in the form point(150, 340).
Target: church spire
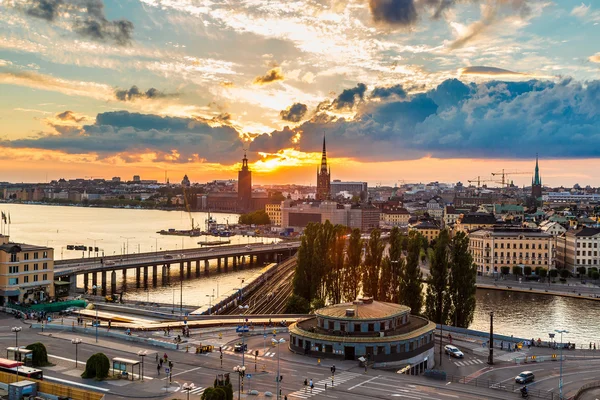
point(324, 156)
point(537, 180)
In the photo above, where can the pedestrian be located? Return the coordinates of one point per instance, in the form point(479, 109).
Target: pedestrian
point(161, 362)
point(590, 345)
point(502, 345)
point(305, 384)
point(312, 385)
point(157, 357)
point(594, 346)
point(158, 368)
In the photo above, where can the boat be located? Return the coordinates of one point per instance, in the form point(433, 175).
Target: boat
point(181, 232)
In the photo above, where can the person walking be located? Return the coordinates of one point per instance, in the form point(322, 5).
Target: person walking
point(158, 368)
point(312, 385)
point(157, 357)
point(305, 384)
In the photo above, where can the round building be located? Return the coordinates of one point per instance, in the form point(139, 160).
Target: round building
point(385, 334)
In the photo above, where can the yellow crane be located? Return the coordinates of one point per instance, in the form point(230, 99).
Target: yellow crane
point(479, 180)
point(506, 174)
point(187, 205)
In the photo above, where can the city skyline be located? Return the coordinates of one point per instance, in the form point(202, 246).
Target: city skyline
point(409, 91)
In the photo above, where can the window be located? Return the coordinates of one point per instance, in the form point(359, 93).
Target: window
point(501, 245)
point(26, 267)
point(45, 277)
point(380, 349)
point(520, 245)
point(371, 327)
point(578, 252)
point(583, 245)
point(25, 256)
point(526, 245)
point(330, 325)
point(45, 266)
point(356, 327)
point(14, 269)
point(13, 281)
point(35, 255)
point(45, 254)
point(13, 257)
point(35, 267)
point(35, 278)
point(343, 327)
point(25, 279)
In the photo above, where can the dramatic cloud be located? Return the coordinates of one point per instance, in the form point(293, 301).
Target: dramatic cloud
point(349, 97)
point(122, 132)
point(69, 116)
point(89, 19)
point(595, 58)
point(134, 93)
point(294, 113)
point(487, 71)
point(495, 119)
point(387, 92)
point(271, 76)
point(394, 12)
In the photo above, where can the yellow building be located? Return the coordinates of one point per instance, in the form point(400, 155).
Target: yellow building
point(26, 272)
point(274, 213)
point(507, 247)
point(396, 217)
point(472, 221)
point(428, 229)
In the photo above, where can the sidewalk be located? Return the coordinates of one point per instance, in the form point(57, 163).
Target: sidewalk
point(126, 348)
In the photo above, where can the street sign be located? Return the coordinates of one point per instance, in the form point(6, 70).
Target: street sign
point(248, 376)
point(167, 370)
point(264, 336)
point(185, 322)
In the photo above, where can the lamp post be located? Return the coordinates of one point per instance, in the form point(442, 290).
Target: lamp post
point(95, 240)
point(241, 371)
point(181, 287)
point(443, 294)
point(155, 244)
point(16, 330)
point(242, 309)
point(210, 302)
point(127, 243)
point(491, 347)
point(560, 380)
point(76, 342)
point(142, 353)
point(278, 342)
point(188, 387)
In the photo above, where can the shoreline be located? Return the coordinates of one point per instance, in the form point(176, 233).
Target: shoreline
point(484, 286)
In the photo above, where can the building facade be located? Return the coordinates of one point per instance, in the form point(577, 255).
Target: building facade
point(428, 229)
point(472, 221)
point(385, 334)
point(323, 178)
point(507, 247)
point(298, 215)
point(274, 213)
point(26, 272)
point(359, 189)
point(579, 249)
point(395, 217)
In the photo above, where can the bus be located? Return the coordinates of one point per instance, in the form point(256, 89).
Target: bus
point(17, 367)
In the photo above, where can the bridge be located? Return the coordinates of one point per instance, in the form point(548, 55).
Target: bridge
point(238, 255)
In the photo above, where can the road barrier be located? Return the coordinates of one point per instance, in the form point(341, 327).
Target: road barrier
point(534, 359)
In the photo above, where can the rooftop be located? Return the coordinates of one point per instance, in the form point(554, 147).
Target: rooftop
point(366, 310)
point(478, 218)
point(8, 247)
point(586, 232)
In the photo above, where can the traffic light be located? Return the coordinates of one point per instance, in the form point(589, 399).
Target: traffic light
point(96, 249)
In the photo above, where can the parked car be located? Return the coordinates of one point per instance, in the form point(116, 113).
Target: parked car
point(239, 347)
point(525, 377)
point(167, 256)
point(453, 351)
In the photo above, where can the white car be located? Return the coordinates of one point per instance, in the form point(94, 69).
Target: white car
point(248, 247)
point(453, 351)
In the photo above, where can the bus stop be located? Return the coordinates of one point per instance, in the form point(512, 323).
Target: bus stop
point(20, 354)
point(125, 365)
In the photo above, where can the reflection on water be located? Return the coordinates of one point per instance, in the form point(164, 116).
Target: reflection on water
point(531, 316)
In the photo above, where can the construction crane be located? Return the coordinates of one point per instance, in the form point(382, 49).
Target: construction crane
point(479, 180)
point(187, 205)
point(506, 174)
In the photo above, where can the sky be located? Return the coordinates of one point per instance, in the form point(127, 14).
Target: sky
point(403, 90)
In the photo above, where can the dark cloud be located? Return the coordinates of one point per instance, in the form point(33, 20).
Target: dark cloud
point(457, 120)
point(271, 76)
point(122, 132)
point(294, 113)
point(386, 92)
point(483, 70)
point(274, 141)
point(89, 19)
point(44, 9)
point(394, 12)
point(134, 93)
point(69, 116)
point(349, 97)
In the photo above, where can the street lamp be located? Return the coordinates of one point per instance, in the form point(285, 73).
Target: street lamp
point(142, 353)
point(278, 342)
point(560, 380)
point(188, 387)
point(127, 243)
point(96, 307)
point(241, 371)
point(443, 294)
point(76, 342)
point(210, 303)
point(155, 243)
point(242, 309)
point(16, 330)
point(94, 240)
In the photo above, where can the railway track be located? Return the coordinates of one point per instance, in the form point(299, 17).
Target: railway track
point(270, 298)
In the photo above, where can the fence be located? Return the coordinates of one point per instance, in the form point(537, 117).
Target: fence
point(588, 386)
point(486, 383)
point(54, 389)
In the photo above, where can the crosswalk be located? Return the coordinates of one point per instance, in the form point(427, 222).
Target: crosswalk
point(464, 363)
point(319, 387)
point(197, 391)
point(230, 349)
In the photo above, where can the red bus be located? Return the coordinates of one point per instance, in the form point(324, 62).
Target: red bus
point(17, 367)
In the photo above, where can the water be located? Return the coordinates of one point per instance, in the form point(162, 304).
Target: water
point(534, 316)
point(519, 314)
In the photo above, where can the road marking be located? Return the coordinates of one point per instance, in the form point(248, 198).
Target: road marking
point(184, 372)
point(52, 378)
point(83, 362)
point(362, 383)
point(396, 394)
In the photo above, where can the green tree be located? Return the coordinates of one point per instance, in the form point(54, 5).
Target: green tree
point(297, 305)
point(97, 367)
point(214, 393)
point(543, 273)
point(437, 299)
point(316, 304)
point(517, 270)
point(527, 270)
point(335, 273)
point(352, 269)
point(463, 274)
point(553, 273)
point(411, 287)
point(384, 292)
point(372, 264)
point(39, 354)
point(564, 273)
point(581, 271)
point(505, 270)
point(259, 217)
point(596, 275)
point(397, 241)
point(319, 265)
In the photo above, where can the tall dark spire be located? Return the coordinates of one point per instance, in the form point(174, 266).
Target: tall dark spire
point(324, 156)
point(537, 180)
